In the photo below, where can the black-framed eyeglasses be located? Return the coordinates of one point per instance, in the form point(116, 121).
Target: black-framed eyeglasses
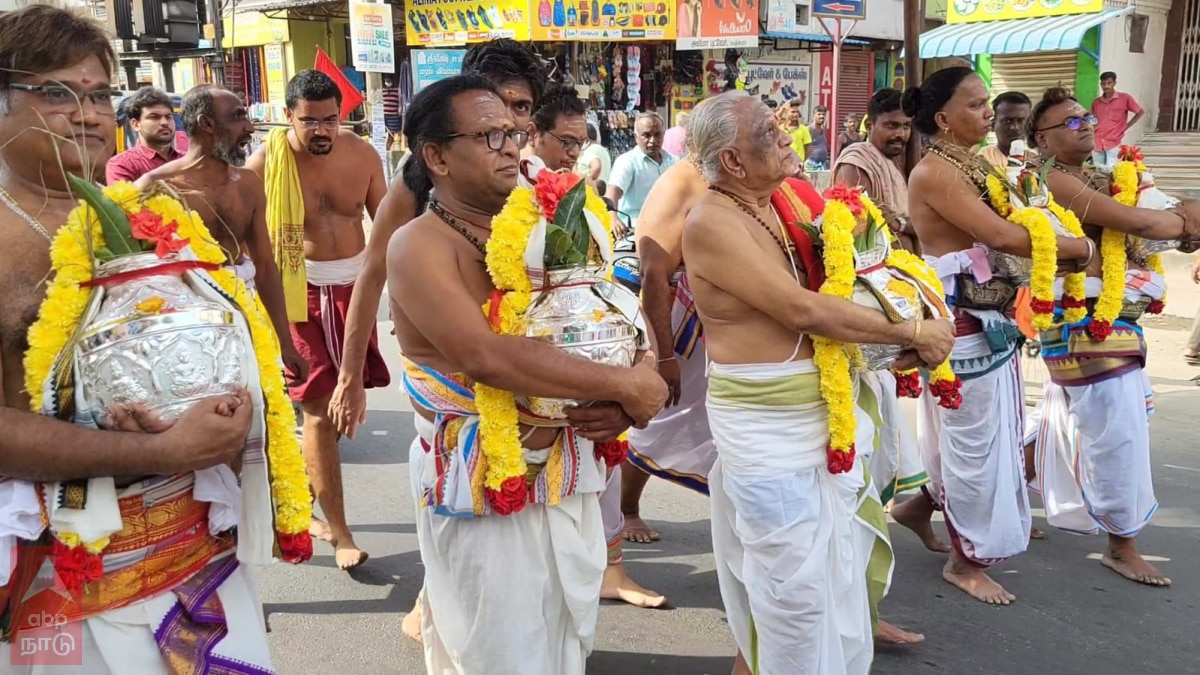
point(568, 144)
point(324, 124)
point(62, 96)
point(495, 137)
point(1074, 123)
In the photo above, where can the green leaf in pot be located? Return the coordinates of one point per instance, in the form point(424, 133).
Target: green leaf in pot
point(569, 217)
point(118, 238)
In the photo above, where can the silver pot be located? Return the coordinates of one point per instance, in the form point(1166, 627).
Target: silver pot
point(871, 290)
point(165, 358)
point(575, 316)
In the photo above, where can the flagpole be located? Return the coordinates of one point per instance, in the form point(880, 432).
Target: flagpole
point(914, 20)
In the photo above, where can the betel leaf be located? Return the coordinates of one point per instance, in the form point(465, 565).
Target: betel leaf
point(569, 217)
point(560, 250)
point(1045, 172)
point(118, 238)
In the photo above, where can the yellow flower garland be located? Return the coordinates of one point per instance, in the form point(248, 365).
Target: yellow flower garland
point(1126, 179)
point(919, 269)
point(830, 356)
point(66, 301)
point(1112, 293)
point(1074, 284)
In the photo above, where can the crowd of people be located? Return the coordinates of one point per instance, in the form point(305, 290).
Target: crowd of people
point(728, 396)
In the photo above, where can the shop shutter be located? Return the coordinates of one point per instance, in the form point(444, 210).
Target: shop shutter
point(854, 84)
point(1033, 74)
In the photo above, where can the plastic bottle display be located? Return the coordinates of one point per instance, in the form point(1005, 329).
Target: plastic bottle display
point(560, 14)
point(544, 13)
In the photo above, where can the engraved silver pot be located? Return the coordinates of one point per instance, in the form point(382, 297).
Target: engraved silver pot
point(575, 317)
point(156, 342)
point(877, 290)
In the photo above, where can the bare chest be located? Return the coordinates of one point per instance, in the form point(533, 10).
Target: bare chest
point(24, 270)
point(227, 210)
point(333, 192)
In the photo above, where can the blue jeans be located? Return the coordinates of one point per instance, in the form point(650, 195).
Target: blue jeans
point(1105, 158)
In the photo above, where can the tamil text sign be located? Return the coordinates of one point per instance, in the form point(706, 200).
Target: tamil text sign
point(432, 23)
point(712, 27)
point(372, 43)
point(431, 65)
point(967, 11)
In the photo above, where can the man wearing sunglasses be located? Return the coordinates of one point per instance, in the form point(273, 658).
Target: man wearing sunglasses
point(319, 179)
point(1111, 111)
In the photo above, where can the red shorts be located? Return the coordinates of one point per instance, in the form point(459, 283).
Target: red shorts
point(319, 341)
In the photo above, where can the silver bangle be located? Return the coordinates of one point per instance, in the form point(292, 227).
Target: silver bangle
point(1091, 252)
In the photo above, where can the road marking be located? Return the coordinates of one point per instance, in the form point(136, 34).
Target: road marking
point(1147, 558)
point(1184, 468)
point(379, 432)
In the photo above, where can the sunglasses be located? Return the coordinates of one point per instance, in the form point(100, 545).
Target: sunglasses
point(1074, 123)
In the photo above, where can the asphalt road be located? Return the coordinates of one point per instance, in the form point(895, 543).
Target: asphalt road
point(1072, 615)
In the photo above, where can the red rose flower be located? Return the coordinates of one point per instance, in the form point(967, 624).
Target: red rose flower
point(75, 567)
point(1069, 302)
point(1130, 153)
point(1156, 307)
point(851, 197)
point(838, 461)
point(612, 452)
point(510, 498)
point(550, 188)
point(908, 385)
point(948, 392)
point(1099, 330)
point(149, 226)
point(295, 548)
point(1041, 306)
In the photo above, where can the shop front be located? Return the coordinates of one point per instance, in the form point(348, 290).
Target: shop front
point(1026, 45)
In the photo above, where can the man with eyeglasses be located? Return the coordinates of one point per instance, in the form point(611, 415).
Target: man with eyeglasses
point(319, 179)
point(505, 593)
point(57, 118)
point(636, 171)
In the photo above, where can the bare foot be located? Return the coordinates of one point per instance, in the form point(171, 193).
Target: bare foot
point(317, 529)
point(975, 583)
point(740, 667)
point(618, 586)
point(1035, 533)
point(1124, 559)
point(914, 514)
point(349, 556)
point(889, 634)
point(637, 531)
point(412, 623)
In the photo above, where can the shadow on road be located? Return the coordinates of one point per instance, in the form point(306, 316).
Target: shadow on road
point(623, 663)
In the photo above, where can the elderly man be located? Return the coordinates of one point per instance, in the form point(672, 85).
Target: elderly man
point(153, 118)
point(789, 534)
point(636, 171)
point(58, 119)
point(506, 593)
point(1094, 439)
point(319, 179)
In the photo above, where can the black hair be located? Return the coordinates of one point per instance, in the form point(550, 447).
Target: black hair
point(1011, 98)
point(430, 119)
point(197, 102)
point(558, 99)
point(771, 103)
point(1108, 75)
point(311, 85)
point(820, 108)
point(1052, 97)
point(882, 102)
point(924, 102)
point(146, 97)
point(505, 60)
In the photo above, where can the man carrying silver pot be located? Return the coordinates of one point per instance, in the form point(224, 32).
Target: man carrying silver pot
point(480, 615)
point(56, 118)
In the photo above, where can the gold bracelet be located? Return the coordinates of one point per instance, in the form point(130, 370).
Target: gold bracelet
point(916, 334)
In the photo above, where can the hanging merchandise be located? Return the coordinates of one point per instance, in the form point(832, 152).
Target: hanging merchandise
point(635, 79)
point(603, 20)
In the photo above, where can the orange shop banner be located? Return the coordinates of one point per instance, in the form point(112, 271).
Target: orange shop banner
point(435, 23)
point(711, 25)
point(603, 20)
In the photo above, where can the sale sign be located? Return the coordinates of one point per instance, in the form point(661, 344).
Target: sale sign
point(701, 25)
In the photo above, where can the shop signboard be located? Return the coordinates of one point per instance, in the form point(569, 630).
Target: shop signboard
point(372, 42)
point(434, 23)
point(781, 16)
point(583, 20)
point(715, 26)
point(968, 11)
point(276, 73)
point(253, 29)
point(431, 65)
point(780, 81)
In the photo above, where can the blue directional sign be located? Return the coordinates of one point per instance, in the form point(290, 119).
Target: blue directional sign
point(840, 9)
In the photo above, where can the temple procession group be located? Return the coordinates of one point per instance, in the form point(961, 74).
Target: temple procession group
point(161, 328)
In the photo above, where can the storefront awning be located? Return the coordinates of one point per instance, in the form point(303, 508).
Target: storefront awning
point(811, 37)
point(1015, 36)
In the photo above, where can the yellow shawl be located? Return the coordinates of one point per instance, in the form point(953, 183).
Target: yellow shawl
point(285, 223)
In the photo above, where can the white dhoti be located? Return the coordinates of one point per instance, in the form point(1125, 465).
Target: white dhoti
point(975, 457)
point(895, 463)
point(509, 595)
point(794, 543)
point(1093, 456)
point(677, 445)
point(611, 515)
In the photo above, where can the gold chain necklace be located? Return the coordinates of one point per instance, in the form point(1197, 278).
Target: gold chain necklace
point(975, 174)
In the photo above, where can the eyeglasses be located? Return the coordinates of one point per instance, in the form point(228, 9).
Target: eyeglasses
point(496, 137)
point(1074, 123)
point(62, 96)
point(324, 124)
point(568, 144)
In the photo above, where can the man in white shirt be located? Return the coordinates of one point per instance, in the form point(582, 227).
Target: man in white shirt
point(635, 172)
